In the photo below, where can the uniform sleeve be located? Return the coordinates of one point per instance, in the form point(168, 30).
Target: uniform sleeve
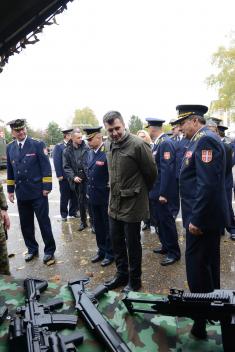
point(10, 174)
point(167, 163)
point(3, 202)
point(45, 166)
point(147, 165)
point(210, 168)
point(57, 159)
point(68, 170)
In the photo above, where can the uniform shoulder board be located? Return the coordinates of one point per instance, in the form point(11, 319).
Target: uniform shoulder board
point(199, 136)
point(11, 142)
point(36, 139)
point(102, 149)
point(162, 139)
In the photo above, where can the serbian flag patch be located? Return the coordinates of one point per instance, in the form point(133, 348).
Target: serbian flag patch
point(167, 155)
point(206, 156)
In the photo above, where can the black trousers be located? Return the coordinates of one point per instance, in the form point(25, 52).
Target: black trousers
point(68, 200)
point(125, 238)
point(80, 190)
point(39, 207)
point(101, 225)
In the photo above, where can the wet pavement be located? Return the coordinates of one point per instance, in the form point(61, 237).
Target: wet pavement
point(75, 249)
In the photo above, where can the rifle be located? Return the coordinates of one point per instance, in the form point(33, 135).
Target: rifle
point(30, 328)
point(85, 304)
point(218, 305)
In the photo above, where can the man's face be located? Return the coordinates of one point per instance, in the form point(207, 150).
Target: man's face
point(188, 127)
point(116, 130)
point(20, 135)
point(176, 130)
point(154, 132)
point(95, 142)
point(67, 136)
point(77, 138)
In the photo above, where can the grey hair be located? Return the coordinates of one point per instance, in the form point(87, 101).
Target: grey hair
point(110, 116)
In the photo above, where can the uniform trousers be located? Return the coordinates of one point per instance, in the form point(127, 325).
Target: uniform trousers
point(125, 238)
point(101, 226)
point(68, 199)
point(4, 262)
point(39, 207)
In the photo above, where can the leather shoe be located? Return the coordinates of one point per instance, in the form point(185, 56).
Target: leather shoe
point(29, 256)
point(132, 286)
point(106, 262)
point(168, 261)
point(48, 257)
point(116, 282)
point(159, 251)
point(82, 227)
point(97, 258)
point(199, 330)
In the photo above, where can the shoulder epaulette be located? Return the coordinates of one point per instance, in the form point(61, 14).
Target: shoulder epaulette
point(11, 142)
point(102, 149)
point(199, 136)
point(36, 139)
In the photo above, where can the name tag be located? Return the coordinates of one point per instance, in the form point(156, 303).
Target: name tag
point(99, 163)
point(33, 154)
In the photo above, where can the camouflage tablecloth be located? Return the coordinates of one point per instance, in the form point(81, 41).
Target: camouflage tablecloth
point(141, 332)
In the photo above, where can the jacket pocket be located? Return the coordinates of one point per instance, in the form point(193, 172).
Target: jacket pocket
point(130, 192)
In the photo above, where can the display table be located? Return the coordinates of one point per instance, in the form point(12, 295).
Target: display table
point(141, 332)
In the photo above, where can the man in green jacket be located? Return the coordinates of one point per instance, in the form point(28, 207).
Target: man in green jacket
point(132, 172)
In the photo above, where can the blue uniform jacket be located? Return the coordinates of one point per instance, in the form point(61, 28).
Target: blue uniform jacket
point(98, 177)
point(165, 183)
point(180, 148)
point(58, 160)
point(202, 182)
point(28, 172)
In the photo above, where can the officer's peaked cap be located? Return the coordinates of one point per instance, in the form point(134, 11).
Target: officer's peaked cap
point(92, 131)
point(17, 124)
point(185, 111)
point(153, 121)
point(66, 131)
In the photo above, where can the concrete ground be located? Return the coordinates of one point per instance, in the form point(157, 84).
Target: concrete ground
point(75, 249)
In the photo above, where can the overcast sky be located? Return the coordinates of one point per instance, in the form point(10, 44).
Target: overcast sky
point(139, 57)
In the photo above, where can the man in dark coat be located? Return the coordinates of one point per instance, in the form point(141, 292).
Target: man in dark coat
point(68, 198)
point(132, 172)
point(203, 201)
point(29, 176)
point(75, 157)
point(98, 194)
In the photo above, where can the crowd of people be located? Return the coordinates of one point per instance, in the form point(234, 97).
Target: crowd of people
point(124, 181)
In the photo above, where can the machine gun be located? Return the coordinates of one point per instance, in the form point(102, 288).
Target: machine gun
point(30, 328)
point(85, 304)
point(218, 305)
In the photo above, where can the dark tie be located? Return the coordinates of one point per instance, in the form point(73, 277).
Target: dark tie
point(20, 147)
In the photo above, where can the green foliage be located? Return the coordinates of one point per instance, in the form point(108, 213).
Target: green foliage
point(8, 135)
point(53, 134)
point(167, 128)
point(135, 124)
point(84, 118)
point(224, 80)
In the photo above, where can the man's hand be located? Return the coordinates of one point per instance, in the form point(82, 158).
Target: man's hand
point(162, 200)
point(11, 197)
point(195, 230)
point(45, 193)
point(5, 219)
point(77, 179)
point(60, 178)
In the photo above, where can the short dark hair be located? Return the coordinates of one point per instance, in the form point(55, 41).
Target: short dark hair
point(110, 116)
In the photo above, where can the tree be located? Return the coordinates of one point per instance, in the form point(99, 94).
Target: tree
point(135, 124)
point(8, 135)
point(53, 134)
point(224, 80)
point(84, 118)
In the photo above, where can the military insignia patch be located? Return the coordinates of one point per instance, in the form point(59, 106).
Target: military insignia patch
point(206, 156)
point(100, 163)
point(167, 155)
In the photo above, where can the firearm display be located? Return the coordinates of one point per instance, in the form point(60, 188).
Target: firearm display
point(33, 326)
point(85, 304)
point(218, 305)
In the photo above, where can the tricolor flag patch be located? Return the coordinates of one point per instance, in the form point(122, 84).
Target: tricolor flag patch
point(188, 154)
point(167, 155)
point(206, 156)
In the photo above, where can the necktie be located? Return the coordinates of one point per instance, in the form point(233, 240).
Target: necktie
point(20, 147)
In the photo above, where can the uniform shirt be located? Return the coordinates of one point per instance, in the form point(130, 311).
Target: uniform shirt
point(202, 182)
point(58, 160)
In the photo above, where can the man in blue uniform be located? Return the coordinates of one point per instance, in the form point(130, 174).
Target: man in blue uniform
point(203, 201)
point(98, 194)
point(29, 176)
point(163, 192)
point(67, 197)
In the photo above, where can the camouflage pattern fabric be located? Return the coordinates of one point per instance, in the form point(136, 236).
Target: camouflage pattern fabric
point(141, 332)
point(4, 263)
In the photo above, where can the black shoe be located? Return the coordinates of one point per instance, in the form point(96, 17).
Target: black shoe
point(93, 230)
point(63, 219)
point(168, 261)
point(106, 262)
point(199, 330)
point(145, 227)
point(97, 258)
point(29, 256)
point(132, 286)
point(82, 227)
point(232, 236)
point(48, 257)
point(116, 282)
point(159, 251)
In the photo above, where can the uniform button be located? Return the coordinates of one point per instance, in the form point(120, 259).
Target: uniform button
point(18, 172)
point(25, 170)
